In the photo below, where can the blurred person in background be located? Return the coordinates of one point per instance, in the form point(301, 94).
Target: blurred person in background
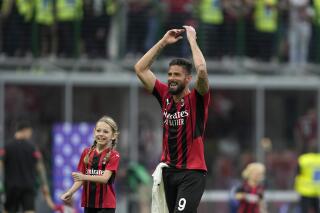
point(155, 22)
point(96, 26)
point(306, 129)
point(16, 18)
point(185, 115)
point(137, 26)
point(249, 29)
point(44, 18)
point(211, 22)
point(314, 50)
point(179, 13)
point(266, 27)
point(234, 11)
point(20, 164)
point(250, 192)
point(307, 182)
point(140, 183)
point(68, 16)
point(300, 16)
point(97, 169)
point(283, 34)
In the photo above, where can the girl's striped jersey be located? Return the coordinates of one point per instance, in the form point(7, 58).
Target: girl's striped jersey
point(98, 195)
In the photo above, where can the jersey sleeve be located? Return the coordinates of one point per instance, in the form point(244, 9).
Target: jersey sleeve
point(37, 154)
point(81, 164)
point(113, 163)
point(205, 98)
point(2, 153)
point(159, 91)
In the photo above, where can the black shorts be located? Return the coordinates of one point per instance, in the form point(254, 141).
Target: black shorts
point(20, 197)
point(95, 210)
point(183, 189)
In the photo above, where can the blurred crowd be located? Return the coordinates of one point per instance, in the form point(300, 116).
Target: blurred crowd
point(264, 30)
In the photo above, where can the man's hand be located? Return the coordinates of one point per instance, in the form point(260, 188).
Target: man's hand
point(77, 176)
point(172, 36)
point(191, 32)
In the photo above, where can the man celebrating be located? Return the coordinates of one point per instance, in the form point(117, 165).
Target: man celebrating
point(184, 113)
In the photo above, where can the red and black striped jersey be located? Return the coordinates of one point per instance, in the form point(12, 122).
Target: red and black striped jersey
point(183, 128)
point(99, 195)
point(245, 206)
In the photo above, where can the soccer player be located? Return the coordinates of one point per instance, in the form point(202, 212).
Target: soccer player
point(97, 169)
point(21, 162)
point(184, 113)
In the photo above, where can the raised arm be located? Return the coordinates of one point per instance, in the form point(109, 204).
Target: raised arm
point(142, 67)
point(202, 82)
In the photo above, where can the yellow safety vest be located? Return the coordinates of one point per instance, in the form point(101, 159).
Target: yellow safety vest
point(5, 7)
point(317, 10)
point(44, 12)
point(111, 7)
point(25, 8)
point(69, 10)
point(307, 183)
point(266, 15)
point(211, 12)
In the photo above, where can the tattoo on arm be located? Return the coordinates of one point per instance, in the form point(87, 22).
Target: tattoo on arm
point(157, 52)
point(202, 82)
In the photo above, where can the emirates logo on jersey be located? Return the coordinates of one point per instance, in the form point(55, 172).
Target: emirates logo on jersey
point(175, 119)
point(94, 172)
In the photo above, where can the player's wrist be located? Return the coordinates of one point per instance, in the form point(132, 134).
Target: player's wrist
point(162, 43)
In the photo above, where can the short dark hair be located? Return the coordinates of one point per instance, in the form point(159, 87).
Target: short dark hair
point(185, 63)
point(20, 125)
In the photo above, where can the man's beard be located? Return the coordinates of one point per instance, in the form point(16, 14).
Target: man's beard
point(180, 88)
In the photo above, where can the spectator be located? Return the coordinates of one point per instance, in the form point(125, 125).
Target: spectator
point(68, 15)
point(211, 20)
point(17, 16)
point(300, 16)
point(179, 13)
point(305, 131)
point(44, 17)
point(96, 26)
point(266, 26)
point(137, 26)
point(234, 11)
point(315, 49)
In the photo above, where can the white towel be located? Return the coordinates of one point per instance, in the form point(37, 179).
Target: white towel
point(159, 204)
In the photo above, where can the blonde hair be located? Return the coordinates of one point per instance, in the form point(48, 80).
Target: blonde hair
point(108, 120)
point(252, 167)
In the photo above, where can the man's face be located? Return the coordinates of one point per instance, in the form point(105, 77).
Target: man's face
point(178, 79)
point(27, 133)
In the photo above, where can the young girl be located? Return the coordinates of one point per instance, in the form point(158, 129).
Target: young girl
point(97, 169)
point(250, 193)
